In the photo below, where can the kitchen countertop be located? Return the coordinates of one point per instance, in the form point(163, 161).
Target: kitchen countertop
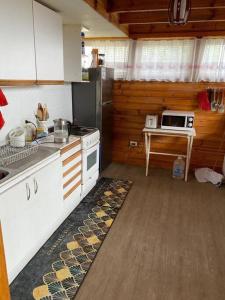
point(18, 168)
point(47, 148)
point(49, 142)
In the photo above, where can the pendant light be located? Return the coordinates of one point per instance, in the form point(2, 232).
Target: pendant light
point(179, 11)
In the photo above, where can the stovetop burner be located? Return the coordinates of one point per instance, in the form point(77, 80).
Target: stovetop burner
point(81, 130)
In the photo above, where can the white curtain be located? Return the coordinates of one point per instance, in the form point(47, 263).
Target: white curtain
point(210, 64)
point(117, 54)
point(164, 60)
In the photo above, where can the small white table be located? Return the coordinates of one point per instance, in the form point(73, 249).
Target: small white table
point(188, 134)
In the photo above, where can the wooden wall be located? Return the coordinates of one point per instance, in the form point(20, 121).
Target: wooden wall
point(135, 99)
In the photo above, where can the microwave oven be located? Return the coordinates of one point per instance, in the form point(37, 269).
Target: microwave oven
point(177, 120)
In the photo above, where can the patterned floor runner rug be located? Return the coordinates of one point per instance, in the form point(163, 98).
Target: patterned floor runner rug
point(58, 269)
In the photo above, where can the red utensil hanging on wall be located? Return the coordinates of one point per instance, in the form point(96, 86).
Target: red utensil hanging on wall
point(203, 101)
point(2, 121)
point(3, 100)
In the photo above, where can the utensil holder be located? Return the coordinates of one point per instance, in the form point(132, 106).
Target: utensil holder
point(43, 125)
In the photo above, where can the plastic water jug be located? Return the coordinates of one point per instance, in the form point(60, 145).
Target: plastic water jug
point(178, 168)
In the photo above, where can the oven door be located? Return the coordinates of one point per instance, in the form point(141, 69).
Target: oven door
point(90, 162)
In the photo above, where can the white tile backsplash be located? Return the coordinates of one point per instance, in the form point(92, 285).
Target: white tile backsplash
point(23, 103)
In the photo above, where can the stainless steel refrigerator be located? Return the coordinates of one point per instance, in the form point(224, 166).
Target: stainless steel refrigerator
point(92, 107)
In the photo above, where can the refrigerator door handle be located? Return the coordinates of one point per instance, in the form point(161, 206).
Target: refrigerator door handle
point(106, 103)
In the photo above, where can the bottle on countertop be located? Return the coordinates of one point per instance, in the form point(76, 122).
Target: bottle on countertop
point(178, 168)
point(30, 131)
point(101, 60)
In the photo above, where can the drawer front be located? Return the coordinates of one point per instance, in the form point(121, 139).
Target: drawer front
point(71, 168)
point(71, 186)
point(75, 169)
point(70, 162)
point(72, 201)
point(70, 146)
point(70, 152)
point(70, 180)
point(71, 159)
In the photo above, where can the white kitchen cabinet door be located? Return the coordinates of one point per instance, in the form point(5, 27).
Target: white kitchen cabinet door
point(17, 54)
point(30, 212)
point(48, 31)
point(72, 53)
point(48, 198)
point(16, 214)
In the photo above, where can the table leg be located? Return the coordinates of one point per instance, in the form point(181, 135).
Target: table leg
point(190, 151)
point(147, 150)
point(187, 159)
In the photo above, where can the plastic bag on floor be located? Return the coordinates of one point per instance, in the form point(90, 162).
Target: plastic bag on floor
point(208, 175)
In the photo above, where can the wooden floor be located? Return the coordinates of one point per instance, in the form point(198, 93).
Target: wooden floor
point(167, 242)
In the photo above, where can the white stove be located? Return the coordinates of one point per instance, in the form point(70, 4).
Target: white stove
point(90, 140)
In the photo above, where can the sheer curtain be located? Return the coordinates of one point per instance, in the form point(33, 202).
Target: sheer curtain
point(117, 54)
point(164, 60)
point(210, 64)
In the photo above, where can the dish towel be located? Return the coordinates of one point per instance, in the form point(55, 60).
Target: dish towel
point(203, 101)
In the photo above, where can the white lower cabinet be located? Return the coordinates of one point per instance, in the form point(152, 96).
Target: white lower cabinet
point(30, 212)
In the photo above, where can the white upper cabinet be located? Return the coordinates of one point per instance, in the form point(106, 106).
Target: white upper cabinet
point(48, 43)
point(72, 53)
point(17, 54)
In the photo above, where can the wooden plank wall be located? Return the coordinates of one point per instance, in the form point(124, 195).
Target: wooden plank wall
point(135, 99)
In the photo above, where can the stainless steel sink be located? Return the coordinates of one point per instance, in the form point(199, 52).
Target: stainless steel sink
point(3, 174)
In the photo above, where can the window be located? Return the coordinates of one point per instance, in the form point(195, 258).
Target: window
point(116, 54)
point(211, 61)
point(164, 60)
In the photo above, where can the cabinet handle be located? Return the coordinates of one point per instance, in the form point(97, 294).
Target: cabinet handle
point(28, 191)
point(35, 186)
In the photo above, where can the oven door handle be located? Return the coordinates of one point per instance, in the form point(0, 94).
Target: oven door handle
point(93, 148)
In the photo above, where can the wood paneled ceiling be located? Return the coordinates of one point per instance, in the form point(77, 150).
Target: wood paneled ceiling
point(149, 18)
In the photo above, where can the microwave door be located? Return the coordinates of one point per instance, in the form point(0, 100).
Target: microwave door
point(174, 121)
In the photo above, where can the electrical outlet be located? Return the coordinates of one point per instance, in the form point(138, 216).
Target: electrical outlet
point(133, 143)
